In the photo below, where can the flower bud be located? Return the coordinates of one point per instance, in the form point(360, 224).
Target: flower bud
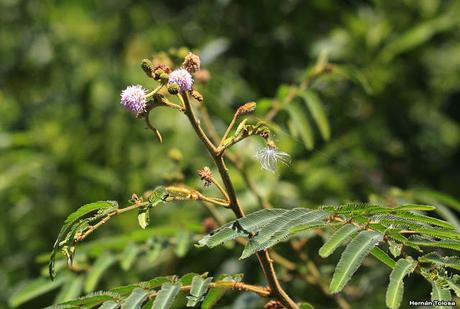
point(160, 69)
point(205, 175)
point(164, 77)
point(246, 108)
point(173, 88)
point(197, 96)
point(147, 66)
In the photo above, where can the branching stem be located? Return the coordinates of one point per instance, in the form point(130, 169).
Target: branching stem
point(263, 256)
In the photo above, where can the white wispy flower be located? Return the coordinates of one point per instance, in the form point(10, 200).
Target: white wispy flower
point(269, 157)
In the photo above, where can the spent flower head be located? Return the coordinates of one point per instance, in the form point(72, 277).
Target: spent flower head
point(269, 157)
point(191, 63)
point(133, 98)
point(182, 78)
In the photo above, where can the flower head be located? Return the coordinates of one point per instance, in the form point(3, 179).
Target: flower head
point(269, 157)
point(191, 63)
point(182, 78)
point(133, 99)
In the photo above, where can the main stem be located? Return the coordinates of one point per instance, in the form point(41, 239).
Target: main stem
point(263, 256)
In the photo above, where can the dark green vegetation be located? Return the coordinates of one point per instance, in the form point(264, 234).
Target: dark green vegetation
point(390, 91)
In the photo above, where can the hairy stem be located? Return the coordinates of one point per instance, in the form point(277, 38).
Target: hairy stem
point(263, 256)
point(240, 286)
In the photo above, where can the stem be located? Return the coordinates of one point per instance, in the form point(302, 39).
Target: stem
point(154, 91)
point(263, 256)
point(151, 127)
point(240, 286)
point(222, 190)
point(107, 218)
point(230, 126)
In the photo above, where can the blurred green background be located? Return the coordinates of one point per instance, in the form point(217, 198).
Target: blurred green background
point(65, 140)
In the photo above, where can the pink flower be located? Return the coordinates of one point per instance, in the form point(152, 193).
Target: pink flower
point(182, 78)
point(133, 99)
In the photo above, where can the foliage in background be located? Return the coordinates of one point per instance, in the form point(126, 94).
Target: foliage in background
point(64, 141)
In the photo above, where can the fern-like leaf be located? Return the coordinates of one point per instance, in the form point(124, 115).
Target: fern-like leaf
point(445, 261)
point(135, 299)
point(241, 227)
point(439, 293)
point(395, 289)
point(166, 296)
point(352, 258)
point(278, 230)
point(338, 238)
point(198, 290)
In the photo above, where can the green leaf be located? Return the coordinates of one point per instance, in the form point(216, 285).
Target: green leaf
point(395, 288)
point(135, 299)
point(240, 127)
point(157, 196)
point(279, 229)
point(183, 240)
point(352, 258)
point(424, 219)
point(88, 208)
point(241, 227)
point(188, 278)
point(198, 290)
point(33, 289)
point(129, 255)
point(166, 296)
point(70, 290)
point(151, 284)
point(383, 257)
point(301, 124)
point(102, 263)
point(93, 299)
point(417, 35)
point(453, 284)
point(445, 261)
point(338, 238)
point(305, 306)
point(431, 196)
point(143, 217)
point(426, 242)
point(395, 248)
point(215, 294)
point(110, 304)
point(66, 232)
point(317, 112)
point(410, 207)
point(438, 293)
point(354, 75)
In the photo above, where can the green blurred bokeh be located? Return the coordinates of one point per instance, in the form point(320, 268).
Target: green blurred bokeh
point(65, 140)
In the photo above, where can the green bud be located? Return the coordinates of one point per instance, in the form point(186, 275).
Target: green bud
point(147, 66)
point(164, 77)
point(173, 88)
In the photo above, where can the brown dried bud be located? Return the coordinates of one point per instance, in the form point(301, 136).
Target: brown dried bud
point(205, 175)
point(274, 304)
point(209, 224)
point(191, 63)
point(203, 76)
point(246, 108)
point(197, 96)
